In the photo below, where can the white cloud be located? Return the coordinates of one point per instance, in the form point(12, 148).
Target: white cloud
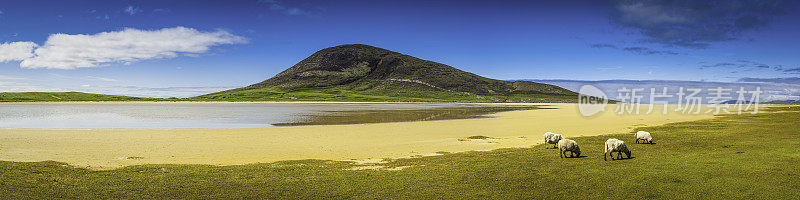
point(64, 51)
point(16, 51)
point(609, 68)
point(132, 10)
point(164, 92)
point(26, 87)
point(277, 6)
point(3, 77)
point(102, 78)
point(102, 88)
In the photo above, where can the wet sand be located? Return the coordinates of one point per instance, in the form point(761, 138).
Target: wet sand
point(113, 148)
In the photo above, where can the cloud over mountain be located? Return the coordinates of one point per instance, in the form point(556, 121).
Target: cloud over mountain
point(65, 51)
point(791, 80)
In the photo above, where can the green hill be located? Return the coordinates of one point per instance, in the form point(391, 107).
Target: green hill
point(65, 96)
point(366, 73)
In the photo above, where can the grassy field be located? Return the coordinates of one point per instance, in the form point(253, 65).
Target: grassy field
point(66, 96)
point(282, 95)
point(730, 157)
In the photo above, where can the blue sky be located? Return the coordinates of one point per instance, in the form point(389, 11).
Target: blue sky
point(186, 48)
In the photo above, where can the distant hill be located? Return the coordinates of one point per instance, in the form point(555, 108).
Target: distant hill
point(65, 96)
point(793, 102)
point(736, 102)
point(365, 73)
point(771, 91)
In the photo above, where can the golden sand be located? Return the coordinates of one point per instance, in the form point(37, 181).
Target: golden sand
point(113, 148)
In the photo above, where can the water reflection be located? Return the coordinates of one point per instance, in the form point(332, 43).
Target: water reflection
point(383, 116)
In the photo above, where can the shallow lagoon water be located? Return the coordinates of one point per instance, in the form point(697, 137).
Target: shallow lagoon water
point(222, 115)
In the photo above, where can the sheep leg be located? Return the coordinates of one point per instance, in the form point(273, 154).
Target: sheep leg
point(637, 141)
point(560, 153)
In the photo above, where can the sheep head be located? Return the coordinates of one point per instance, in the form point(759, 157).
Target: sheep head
point(628, 153)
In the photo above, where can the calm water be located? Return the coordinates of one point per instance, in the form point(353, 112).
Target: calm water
point(201, 115)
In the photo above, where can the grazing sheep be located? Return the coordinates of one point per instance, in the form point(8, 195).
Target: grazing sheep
point(547, 138)
point(615, 145)
point(644, 136)
point(568, 145)
point(551, 138)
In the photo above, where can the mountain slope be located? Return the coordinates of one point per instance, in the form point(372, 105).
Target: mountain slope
point(365, 73)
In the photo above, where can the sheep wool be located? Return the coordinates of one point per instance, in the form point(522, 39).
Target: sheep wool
point(644, 136)
point(551, 138)
point(568, 145)
point(615, 145)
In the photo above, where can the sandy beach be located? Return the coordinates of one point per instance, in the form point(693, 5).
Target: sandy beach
point(113, 148)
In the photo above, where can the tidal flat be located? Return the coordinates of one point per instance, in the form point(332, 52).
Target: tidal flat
point(113, 148)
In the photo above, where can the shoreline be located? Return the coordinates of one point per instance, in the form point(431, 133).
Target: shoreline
point(113, 148)
point(283, 102)
point(318, 102)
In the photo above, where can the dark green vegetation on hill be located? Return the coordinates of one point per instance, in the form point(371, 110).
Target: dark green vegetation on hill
point(365, 73)
point(65, 96)
point(731, 157)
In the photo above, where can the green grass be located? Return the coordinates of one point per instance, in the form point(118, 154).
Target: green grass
point(67, 96)
point(731, 157)
point(315, 94)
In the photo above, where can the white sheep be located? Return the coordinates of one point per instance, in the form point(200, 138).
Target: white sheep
point(568, 145)
point(547, 137)
point(551, 138)
point(644, 136)
point(615, 145)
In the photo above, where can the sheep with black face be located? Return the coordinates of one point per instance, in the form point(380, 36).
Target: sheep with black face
point(568, 145)
point(615, 145)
